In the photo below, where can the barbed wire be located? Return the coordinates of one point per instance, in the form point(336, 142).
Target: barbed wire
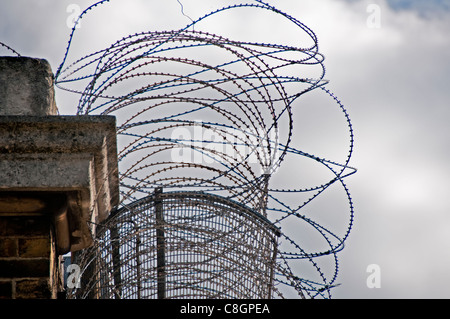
point(7, 47)
point(200, 112)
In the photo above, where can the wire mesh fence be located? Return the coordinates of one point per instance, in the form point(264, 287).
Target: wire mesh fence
point(181, 245)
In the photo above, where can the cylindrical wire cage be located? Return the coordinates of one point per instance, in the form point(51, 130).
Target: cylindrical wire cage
point(181, 245)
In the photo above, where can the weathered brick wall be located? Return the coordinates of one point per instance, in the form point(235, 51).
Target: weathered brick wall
point(27, 258)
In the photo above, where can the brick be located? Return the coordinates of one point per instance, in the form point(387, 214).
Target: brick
point(34, 247)
point(5, 289)
point(8, 247)
point(24, 226)
point(33, 289)
point(29, 267)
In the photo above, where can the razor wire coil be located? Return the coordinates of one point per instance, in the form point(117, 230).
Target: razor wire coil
point(201, 113)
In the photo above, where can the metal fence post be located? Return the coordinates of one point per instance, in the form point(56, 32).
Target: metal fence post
point(160, 245)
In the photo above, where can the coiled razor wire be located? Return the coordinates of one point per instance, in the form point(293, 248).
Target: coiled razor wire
point(204, 114)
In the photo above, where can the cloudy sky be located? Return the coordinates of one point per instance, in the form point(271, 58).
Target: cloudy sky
point(387, 61)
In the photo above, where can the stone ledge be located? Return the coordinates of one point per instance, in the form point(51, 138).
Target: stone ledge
point(72, 155)
point(49, 171)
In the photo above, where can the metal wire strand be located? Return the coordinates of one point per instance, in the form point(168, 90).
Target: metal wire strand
point(209, 120)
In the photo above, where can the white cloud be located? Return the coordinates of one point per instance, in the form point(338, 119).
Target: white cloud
point(392, 81)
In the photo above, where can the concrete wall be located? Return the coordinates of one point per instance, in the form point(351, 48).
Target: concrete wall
point(58, 178)
point(26, 87)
